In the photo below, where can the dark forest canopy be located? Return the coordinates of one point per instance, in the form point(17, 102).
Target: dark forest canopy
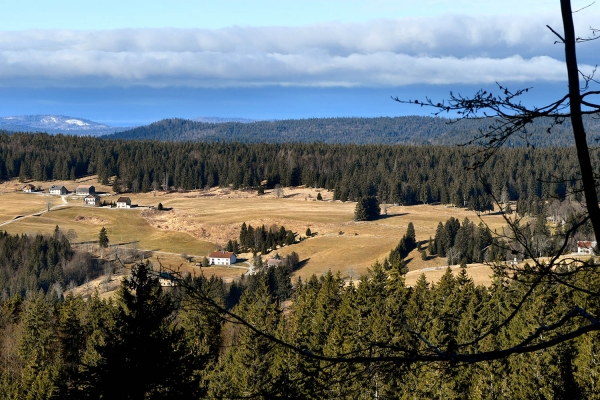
point(396, 174)
point(155, 344)
point(383, 130)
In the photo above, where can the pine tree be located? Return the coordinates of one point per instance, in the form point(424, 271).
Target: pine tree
point(38, 349)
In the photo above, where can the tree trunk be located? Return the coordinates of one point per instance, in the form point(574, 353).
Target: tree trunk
point(587, 175)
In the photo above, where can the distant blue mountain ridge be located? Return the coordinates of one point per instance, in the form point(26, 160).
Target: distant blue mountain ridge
point(411, 130)
point(80, 126)
point(405, 130)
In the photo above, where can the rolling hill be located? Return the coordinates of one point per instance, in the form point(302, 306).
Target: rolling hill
point(413, 130)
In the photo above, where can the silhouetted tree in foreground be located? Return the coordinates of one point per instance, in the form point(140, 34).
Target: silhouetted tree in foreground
point(508, 117)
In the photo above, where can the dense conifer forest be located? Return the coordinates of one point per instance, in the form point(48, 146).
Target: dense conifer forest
point(410, 130)
point(395, 174)
point(151, 343)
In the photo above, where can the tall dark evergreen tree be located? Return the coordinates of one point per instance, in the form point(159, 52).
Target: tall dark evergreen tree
point(145, 356)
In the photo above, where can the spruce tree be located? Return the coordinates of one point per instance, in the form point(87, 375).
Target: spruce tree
point(145, 355)
point(367, 209)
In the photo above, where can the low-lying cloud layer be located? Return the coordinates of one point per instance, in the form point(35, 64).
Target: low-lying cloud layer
point(452, 49)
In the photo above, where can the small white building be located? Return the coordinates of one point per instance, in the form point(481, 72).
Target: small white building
point(124, 202)
point(166, 279)
point(92, 200)
point(58, 189)
point(29, 188)
point(84, 190)
point(586, 246)
point(221, 258)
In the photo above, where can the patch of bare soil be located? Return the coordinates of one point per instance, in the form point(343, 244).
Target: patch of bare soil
point(186, 221)
point(106, 287)
point(90, 220)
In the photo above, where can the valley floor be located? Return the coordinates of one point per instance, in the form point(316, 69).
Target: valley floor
point(194, 223)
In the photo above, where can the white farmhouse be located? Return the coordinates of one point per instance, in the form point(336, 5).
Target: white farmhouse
point(166, 279)
point(124, 202)
point(221, 258)
point(58, 189)
point(29, 188)
point(92, 200)
point(586, 247)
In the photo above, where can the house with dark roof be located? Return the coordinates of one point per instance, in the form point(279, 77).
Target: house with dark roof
point(58, 189)
point(85, 190)
point(221, 258)
point(123, 202)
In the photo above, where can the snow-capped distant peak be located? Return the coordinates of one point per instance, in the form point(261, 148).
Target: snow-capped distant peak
point(55, 124)
point(49, 120)
point(76, 122)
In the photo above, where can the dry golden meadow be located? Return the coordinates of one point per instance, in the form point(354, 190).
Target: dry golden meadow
point(198, 221)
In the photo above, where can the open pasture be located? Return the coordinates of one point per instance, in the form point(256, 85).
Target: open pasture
point(195, 222)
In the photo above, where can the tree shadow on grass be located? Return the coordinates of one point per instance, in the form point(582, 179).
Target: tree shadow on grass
point(387, 216)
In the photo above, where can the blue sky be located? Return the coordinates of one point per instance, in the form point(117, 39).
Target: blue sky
point(133, 62)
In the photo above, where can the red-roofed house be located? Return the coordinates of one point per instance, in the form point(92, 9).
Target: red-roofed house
point(221, 258)
point(586, 247)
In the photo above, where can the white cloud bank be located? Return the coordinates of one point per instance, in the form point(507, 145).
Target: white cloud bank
point(452, 49)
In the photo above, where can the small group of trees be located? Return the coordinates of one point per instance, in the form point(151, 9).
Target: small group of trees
point(462, 243)
point(396, 259)
point(262, 239)
point(367, 209)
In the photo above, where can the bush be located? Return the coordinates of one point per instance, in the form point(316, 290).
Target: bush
point(160, 207)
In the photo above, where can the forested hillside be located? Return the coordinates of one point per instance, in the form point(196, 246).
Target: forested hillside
point(344, 341)
point(396, 174)
point(383, 130)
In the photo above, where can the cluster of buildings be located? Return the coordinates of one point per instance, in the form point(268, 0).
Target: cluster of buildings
point(88, 193)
